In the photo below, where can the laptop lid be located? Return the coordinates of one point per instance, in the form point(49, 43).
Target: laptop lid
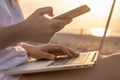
point(106, 27)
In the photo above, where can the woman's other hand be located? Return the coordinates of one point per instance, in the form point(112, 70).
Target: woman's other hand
point(48, 51)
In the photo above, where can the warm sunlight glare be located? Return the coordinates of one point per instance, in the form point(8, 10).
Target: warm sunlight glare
point(97, 16)
point(99, 32)
point(98, 7)
point(102, 7)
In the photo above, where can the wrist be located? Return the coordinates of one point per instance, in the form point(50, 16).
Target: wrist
point(16, 32)
point(10, 35)
point(28, 48)
point(22, 31)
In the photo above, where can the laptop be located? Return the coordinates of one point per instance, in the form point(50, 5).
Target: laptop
point(85, 60)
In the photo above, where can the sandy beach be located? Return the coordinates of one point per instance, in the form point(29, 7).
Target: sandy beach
point(83, 43)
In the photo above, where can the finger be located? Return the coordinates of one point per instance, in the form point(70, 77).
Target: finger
point(49, 56)
point(73, 52)
point(62, 50)
point(66, 21)
point(58, 50)
point(66, 51)
point(62, 21)
point(45, 10)
point(60, 24)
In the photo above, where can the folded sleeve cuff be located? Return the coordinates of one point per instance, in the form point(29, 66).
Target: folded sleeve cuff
point(12, 56)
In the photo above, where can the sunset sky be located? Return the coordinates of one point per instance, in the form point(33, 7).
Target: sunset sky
point(96, 18)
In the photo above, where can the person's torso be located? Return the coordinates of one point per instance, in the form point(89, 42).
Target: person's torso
point(11, 56)
point(10, 13)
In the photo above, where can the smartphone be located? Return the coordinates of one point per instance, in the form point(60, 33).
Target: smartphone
point(74, 12)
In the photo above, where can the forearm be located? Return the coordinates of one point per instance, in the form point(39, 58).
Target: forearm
point(11, 35)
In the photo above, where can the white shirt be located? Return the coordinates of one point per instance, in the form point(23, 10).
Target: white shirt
point(12, 56)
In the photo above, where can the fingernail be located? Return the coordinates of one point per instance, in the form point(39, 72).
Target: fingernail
point(76, 54)
point(53, 56)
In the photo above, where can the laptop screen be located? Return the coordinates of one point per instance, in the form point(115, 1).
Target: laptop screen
point(107, 25)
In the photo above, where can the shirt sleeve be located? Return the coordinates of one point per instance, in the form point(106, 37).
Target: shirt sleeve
point(10, 58)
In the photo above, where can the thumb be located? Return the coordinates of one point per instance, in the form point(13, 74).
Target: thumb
point(62, 22)
point(45, 10)
point(46, 55)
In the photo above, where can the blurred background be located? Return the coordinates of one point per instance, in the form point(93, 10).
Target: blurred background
point(84, 33)
point(92, 22)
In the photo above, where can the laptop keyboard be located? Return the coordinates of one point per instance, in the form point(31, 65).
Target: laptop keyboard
point(82, 58)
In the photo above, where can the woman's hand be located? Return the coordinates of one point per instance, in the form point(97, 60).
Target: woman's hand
point(35, 28)
point(38, 28)
point(48, 51)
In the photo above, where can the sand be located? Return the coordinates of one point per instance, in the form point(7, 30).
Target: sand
point(83, 43)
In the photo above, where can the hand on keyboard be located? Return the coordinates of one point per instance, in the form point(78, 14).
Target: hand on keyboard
point(49, 51)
